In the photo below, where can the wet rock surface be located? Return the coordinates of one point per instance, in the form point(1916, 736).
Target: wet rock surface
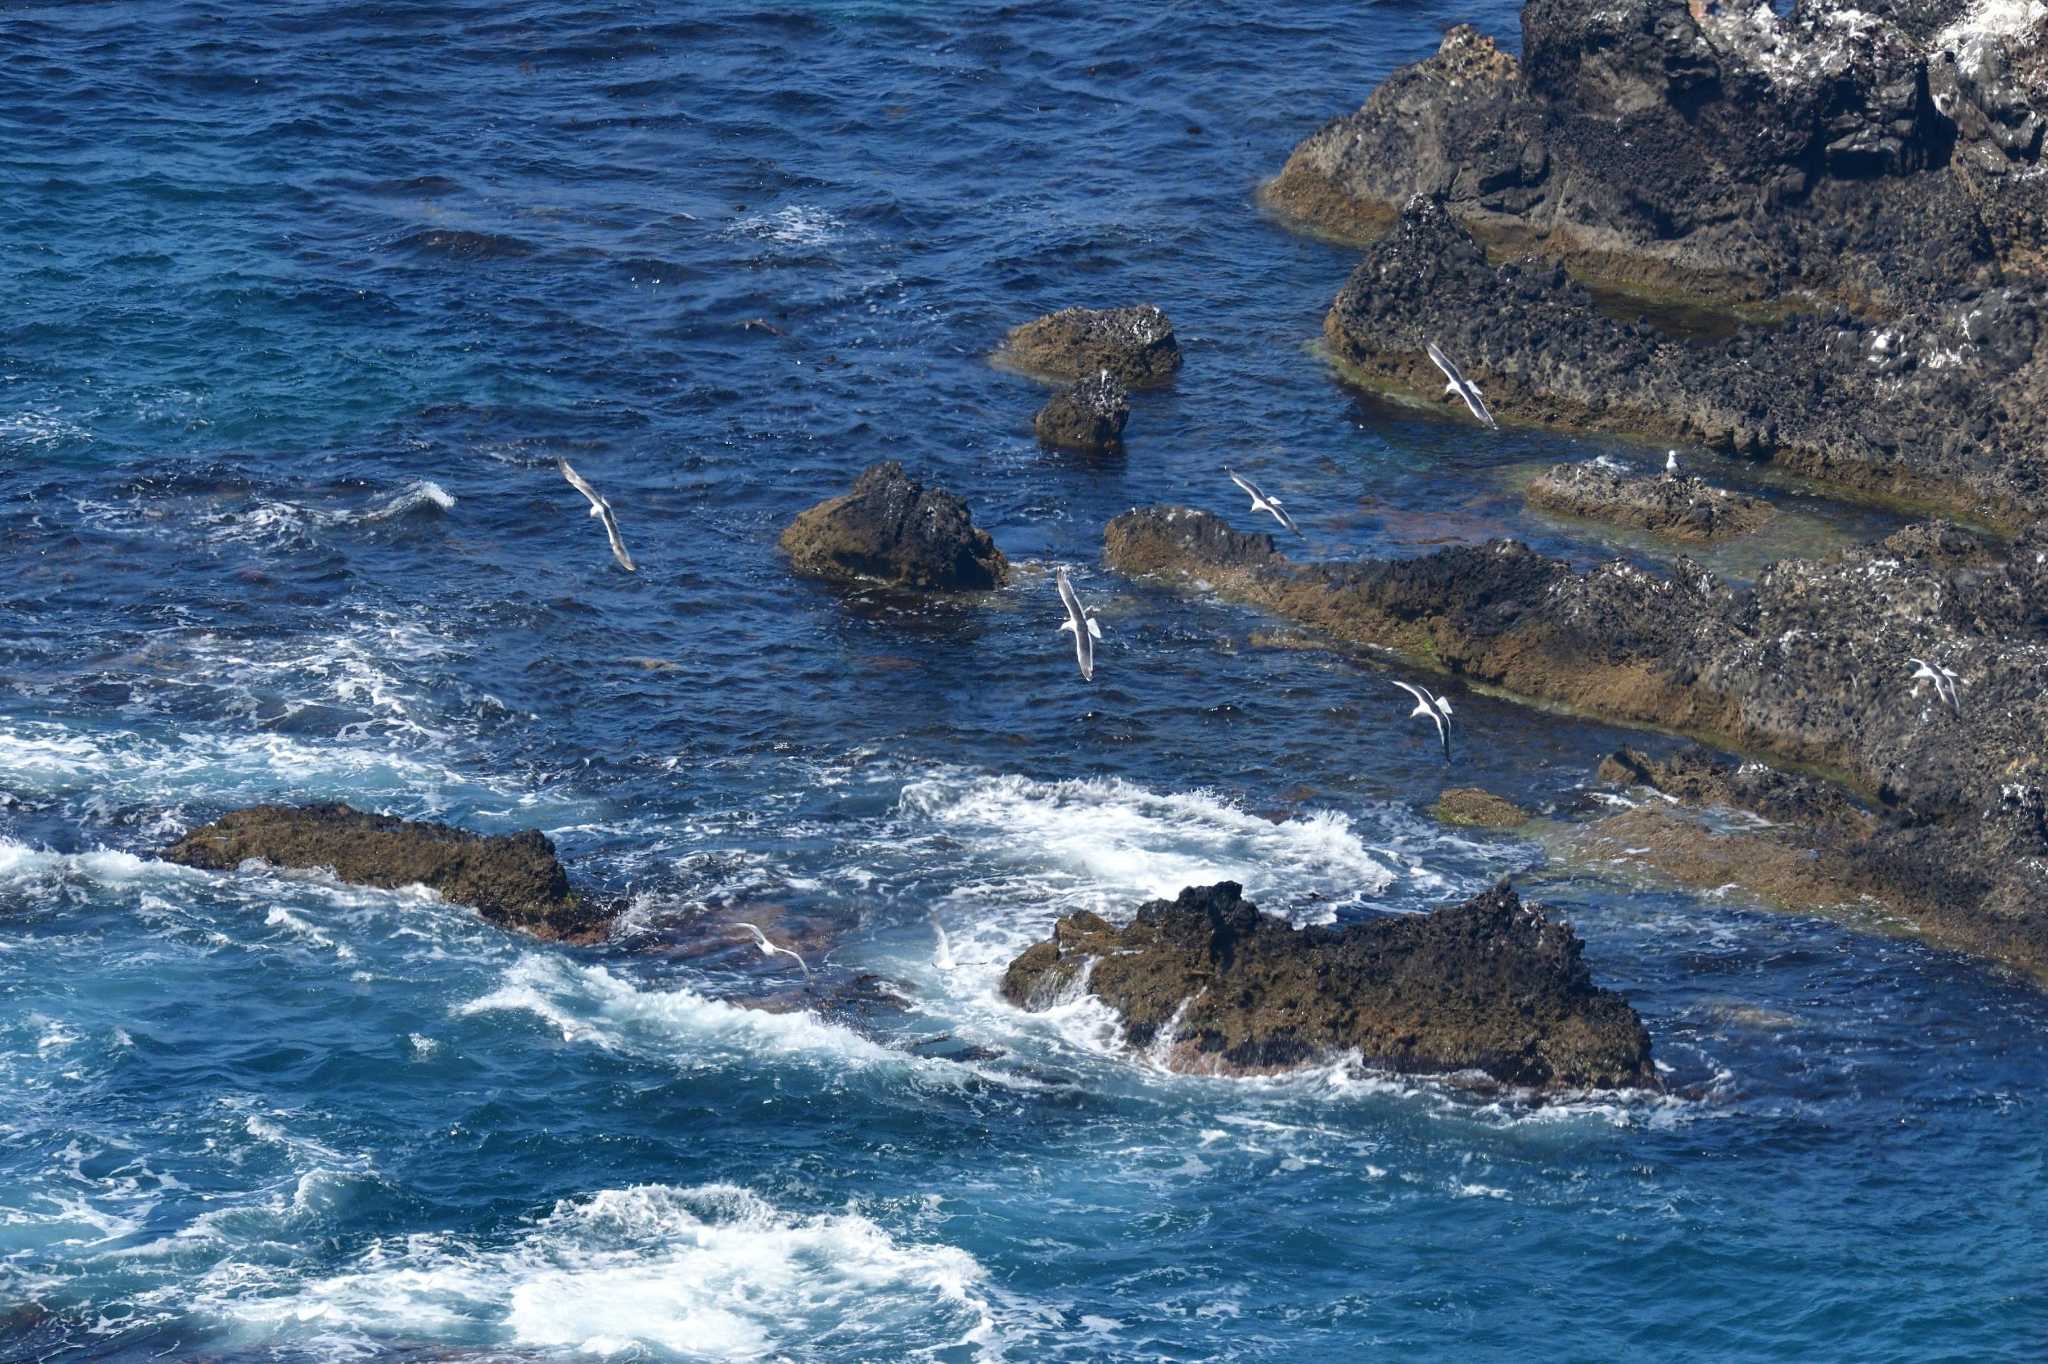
point(893, 529)
point(1807, 667)
point(1873, 154)
point(1490, 989)
point(1474, 808)
point(1088, 417)
point(1683, 508)
point(1944, 406)
point(1135, 345)
point(513, 880)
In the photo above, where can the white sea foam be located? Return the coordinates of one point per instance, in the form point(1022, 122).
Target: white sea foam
point(712, 1272)
point(680, 1026)
point(796, 225)
point(1128, 840)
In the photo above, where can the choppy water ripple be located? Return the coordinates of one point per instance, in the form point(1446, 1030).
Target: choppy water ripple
point(306, 302)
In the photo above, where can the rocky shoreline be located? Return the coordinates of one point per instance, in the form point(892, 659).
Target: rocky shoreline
point(1683, 508)
point(1865, 180)
point(1808, 667)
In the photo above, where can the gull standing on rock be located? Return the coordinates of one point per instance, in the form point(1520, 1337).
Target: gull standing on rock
point(1462, 386)
point(1671, 464)
point(1263, 503)
point(1082, 622)
point(600, 508)
point(1437, 708)
point(1944, 681)
point(769, 949)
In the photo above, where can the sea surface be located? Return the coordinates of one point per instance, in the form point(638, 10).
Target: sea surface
point(302, 303)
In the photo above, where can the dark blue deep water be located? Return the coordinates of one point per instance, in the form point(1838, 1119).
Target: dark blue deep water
point(303, 300)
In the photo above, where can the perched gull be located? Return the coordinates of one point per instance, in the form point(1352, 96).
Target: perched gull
point(1437, 708)
point(1082, 622)
point(602, 508)
point(1671, 464)
point(1462, 386)
point(769, 949)
point(1944, 681)
point(1263, 503)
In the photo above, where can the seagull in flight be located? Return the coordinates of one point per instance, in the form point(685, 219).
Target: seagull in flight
point(1437, 708)
point(1943, 678)
point(1263, 503)
point(1462, 386)
point(600, 508)
point(769, 949)
point(1082, 622)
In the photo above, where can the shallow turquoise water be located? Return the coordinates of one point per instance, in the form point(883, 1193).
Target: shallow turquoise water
point(303, 307)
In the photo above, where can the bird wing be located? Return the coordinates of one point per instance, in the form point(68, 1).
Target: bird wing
point(578, 482)
point(1443, 362)
point(1251, 489)
point(1477, 402)
point(1070, 600)
point(611, 530)
point(1285, 519)
point(1084, 654)
point(1422, 700)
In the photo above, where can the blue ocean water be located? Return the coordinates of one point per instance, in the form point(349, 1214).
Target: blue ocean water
point(304, 300)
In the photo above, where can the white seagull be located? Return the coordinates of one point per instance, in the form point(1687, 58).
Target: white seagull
point(1944, 681)
point(1437, 708)
point(769, 949)
point(1082, 622)
point(1263, 503)
point(601, 508)
point(1671, 464)
point(1462, 386)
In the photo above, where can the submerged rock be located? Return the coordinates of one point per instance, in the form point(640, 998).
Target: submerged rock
point(1210, 984)
point(1088, 417)
point(1474, 808)
point(513, 880)
point(1684, 508)
point(1807, 667)
point(892, 529)
point(1136, 345)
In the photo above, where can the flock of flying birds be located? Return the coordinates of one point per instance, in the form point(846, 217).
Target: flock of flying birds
point(1082, 624)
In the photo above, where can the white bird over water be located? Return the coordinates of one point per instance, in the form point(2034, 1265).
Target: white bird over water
point(1437, 708)
point(769, 949)
point(600, 508)
point(1944, 681)
point(1081, 620)
point(1462, 386)
point(1262, 503)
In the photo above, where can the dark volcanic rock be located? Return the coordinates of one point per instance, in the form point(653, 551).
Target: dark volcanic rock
point(1808, 667)
point(1684, 508)
point(893, 529)
point(1088, 417)
point(511, 879)
point(1946, 406)
point(1136, 345)
point(1710, 149)
point(1215, 986)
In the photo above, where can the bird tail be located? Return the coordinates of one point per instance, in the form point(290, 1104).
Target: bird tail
point(1094, 630)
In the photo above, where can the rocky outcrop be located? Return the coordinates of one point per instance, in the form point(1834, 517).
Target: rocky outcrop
point(1681, 507)
point(892, 529)
point(1135, 345)
point(1487, 990)
point(1088, 417)
point(1869, 153)
point(1806, 667)
point(1945, 407)
point(513, 880)
point(1473, 808)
